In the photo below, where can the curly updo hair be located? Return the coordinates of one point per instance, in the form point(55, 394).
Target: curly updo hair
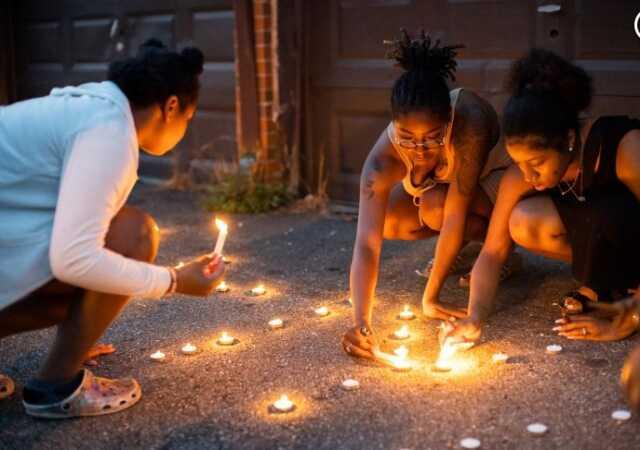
point(156, 73)
point(547, 95)
point(427, 65)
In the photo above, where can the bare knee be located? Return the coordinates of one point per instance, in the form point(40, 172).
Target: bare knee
point(524, 226)
point(135, 234)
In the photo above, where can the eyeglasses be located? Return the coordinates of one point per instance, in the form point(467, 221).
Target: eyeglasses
point(427, 144)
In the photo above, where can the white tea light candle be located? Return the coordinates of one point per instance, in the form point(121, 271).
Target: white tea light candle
point(226, 339)
point(470, 443)
point(189, 349)
point(401, 333)
point(222, 287)
point(500, 357)
point(283, 405)
point(350, 384)
point(258, 290)
point(554, 349)
point(406, 313)
point(274, 324)
point(158, 356)
point(537, 428)
point(322, 311)
point(621, 415)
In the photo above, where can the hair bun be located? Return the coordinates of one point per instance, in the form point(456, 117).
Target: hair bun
point(193, 59)
point(423, 54)
point(151, 46)
point(543, 73)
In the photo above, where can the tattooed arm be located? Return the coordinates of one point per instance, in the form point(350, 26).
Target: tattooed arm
point(381, 171)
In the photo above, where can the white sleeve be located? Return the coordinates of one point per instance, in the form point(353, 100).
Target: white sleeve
point(100, 170)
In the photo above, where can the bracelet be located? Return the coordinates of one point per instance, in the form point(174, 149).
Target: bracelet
point(174, 281)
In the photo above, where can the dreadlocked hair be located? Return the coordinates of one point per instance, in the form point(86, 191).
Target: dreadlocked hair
point(423, 85)
point(547, 95)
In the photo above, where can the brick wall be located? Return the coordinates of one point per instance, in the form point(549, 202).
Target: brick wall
point(270, 154)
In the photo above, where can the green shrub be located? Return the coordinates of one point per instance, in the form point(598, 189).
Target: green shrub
point(240, 193)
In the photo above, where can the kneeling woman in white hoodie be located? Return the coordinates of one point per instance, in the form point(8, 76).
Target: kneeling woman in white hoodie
point(71, 253)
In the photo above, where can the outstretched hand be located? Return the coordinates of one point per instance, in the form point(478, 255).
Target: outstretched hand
point(441, 311)
point(604, 322)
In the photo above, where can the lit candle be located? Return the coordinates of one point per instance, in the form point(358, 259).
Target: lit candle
point(554, 349)
point(500, 357)
point(400, 362)
point(258, 290)
point(226, 339)
point(401, 333)
point(189, 349)
point(443, 363)
point(322, 311)
point(276, 323)
point(350, 384)
point(283, 405)
point(406, 313)
point(222, 236)
point(222, 287)
point(158, 356)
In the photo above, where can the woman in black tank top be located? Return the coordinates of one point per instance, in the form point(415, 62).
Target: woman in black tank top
point(574, 195)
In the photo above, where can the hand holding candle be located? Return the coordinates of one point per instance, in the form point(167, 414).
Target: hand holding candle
point(200, 276)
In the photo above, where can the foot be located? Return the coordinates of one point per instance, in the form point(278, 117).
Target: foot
point(97, 351)
point(576, 302)
point(94, 396)
point(463, 262)
point(6, 386)
point(512, 267)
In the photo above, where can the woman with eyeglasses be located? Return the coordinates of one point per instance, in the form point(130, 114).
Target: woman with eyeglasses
point(434, 170)
point(573, 195)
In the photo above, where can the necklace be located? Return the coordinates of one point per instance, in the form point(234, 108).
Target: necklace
point(570, 188)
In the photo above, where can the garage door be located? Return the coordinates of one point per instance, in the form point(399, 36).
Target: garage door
point(350, 79)
point(71, 42)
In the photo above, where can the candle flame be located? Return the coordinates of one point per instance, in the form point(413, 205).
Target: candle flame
point(259, 289)
point(401, 352)
point(406, 313)
point(283, 403)
point(221, 224)
point(402, 332)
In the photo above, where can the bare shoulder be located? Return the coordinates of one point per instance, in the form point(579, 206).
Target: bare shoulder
point(513, 185)
point(382, 168)
point(628, 156)
point(475, 108)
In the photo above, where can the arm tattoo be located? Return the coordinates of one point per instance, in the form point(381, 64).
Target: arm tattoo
point(376, 169)
point(368, 188)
